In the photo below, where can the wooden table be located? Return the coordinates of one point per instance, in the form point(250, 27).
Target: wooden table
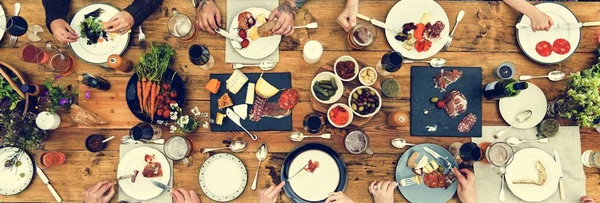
point(485, 38)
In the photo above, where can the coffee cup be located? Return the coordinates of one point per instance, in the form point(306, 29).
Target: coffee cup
point(357, 142)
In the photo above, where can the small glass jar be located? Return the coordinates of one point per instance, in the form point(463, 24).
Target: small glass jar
point(361, 36)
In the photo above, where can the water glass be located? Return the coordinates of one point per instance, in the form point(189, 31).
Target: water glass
point(361, 36)
point(357, 142)
point(178, 148)
point(181, 26)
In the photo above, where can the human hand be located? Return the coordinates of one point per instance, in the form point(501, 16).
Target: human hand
point(285, 15)
point(271, 194)
point(467, 193)
point(208, 17)
point(540, 21)
point(100, 193)
point(183, 196)
point(120, 23)
point(347, 19)
point(338, 197)
point(586, 199)
point(383, 192)
point(62, 31)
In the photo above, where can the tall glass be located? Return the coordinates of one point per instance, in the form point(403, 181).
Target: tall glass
point(145, 131)
point(362, 35)
point(470, 152)
point(178, 148)
point(390, 62)
point(15, 25)
point(201, 57)
point(181, 26)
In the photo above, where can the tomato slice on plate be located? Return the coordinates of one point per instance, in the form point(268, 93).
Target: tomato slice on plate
point(561, 46)
point(543, 48)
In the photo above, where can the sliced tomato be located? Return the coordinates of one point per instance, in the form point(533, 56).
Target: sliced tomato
point(561, 46)
point(426, 45)
point(543, 48)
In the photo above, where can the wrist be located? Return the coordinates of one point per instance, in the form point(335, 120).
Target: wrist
point(351, 3)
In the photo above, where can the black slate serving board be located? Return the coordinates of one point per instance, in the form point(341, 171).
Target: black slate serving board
point(279, 80)
point(422, 89)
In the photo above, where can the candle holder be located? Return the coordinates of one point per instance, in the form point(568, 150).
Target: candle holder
point(47, 120)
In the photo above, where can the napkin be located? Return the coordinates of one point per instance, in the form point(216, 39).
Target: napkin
point(235, 7)
point(164, 197)
point(568, 145)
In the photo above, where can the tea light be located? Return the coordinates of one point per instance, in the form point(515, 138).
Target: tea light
point(505, 70)
point(312, 51)
point(46, 120)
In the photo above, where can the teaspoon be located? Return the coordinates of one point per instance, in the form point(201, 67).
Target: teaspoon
point(298, 136)
point(552, 76)
point(516, 141)
point(235, 146)
point(521, 117)
point(400, 143)
point(434, 62)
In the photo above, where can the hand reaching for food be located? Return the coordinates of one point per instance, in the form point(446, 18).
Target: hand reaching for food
point(467, 192)
point(285, 15)
point(383, 191)
point(338, 197)
point(208, 17)
point(181, 195)
point(120, 23)
point(101, 192)
point(62, 31)
point(347, 19)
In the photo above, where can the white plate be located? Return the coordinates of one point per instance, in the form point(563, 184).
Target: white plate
point(263, 46)
point(223, 177)
point(11, 182)
point(314, 186)
point(528, 39)
point(142, 189)
point(2, 21)
point(524, 167)
point(407, 11)
point(97, 53)
point(532, 99)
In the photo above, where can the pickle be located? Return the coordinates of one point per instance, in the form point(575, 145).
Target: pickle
point(324, 82)
point(333, 83)
point(329, 87)
point(318, 89)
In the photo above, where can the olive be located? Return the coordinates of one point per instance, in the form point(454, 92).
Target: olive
point(371, 100)
point(355, 96)
point(360, 104)
point(360, 109)
point(372, 92)
point(359, 91)
point(354, 106)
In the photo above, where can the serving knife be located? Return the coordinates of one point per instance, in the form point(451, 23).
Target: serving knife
point(236, 119)
point(441, 160)
point(561, 187)
point(46, 182)
point(378, 23)
point(565, 26)
point(161, 185)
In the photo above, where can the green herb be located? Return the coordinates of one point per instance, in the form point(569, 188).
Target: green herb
point(18, 129)
point(9, 93)
point(57, 96)
point(154, 64)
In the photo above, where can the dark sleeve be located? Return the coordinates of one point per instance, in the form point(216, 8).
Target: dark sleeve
point(55, 9)
point(142, 9)
point(300, 3)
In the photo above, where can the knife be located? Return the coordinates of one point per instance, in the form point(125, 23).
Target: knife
point(561, 187)
point(301, 169)
point(236, 119)
point(378, 23)
point(47, 183)
point(558, 25)
point(441, 160)
point(161, 185)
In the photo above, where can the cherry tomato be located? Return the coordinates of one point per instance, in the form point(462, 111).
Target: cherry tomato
point(243, 34)
point(245, 43)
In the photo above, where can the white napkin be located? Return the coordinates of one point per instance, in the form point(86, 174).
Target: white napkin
point(568, 145)
point(164, 197)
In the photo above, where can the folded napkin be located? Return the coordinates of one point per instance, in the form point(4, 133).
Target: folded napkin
point(235, 7)
point(568, 145)
point(164, 197)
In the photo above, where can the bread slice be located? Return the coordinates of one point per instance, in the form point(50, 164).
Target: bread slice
point(265, 30)
point(542, 176)
point(412, 160)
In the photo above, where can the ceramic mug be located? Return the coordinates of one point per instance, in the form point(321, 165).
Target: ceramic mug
point(178, 148)
point(357, 142)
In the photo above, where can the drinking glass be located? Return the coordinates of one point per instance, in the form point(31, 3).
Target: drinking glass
point(484, 147)
point(178, 148)
point(499, 154)
point(201, 57)
point(357, 142)
point(35, 33)
point(361, 36)
point(49, 60)
point(548, 128)
point(51, 159)
point(470, 152)
point(181, 26)
point(591, 159)
point(145, 131)
point(15, 25)
point(313, 123)
point(390, 62)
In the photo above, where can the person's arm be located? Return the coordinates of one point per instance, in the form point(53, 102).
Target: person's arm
point(539, 20)
point(55, 9)
point(522, 6)
point(142, 9)
point(347, 18)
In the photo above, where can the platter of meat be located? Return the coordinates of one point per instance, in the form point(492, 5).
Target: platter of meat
point(253, 29)
point(423, 28)
point(435, 182)
point(446, 101)
point(151, 164)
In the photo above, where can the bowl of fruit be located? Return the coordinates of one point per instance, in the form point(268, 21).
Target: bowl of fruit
point(327, 88)
point(364, 101)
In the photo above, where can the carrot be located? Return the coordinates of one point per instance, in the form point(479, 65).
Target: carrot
point(153, 95)
point(147, 88)
point(139, 93)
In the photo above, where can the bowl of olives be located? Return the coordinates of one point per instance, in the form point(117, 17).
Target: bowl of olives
point(327, 88)
point(364, 101)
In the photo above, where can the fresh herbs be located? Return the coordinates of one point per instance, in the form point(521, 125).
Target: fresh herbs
point(150, 70)
point(91, 28)
point(8, 94)
point(18, 129)
point(57, 96)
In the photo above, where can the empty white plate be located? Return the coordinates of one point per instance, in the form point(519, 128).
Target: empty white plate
point(223, 177)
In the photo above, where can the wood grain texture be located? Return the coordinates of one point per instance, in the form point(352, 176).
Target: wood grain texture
point(484, 38)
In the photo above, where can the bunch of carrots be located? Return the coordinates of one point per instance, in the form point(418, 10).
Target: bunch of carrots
point(150, 70)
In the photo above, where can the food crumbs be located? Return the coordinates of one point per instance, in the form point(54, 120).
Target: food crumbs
point(431, 128)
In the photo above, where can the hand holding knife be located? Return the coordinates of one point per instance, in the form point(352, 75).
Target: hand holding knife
point(46, 181)
point(378, 23)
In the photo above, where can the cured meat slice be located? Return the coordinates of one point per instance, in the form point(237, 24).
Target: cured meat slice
point(445, 78)
point(543, 48)
point(288, 99)
point(262, 108)
point(152, 170)
point(433, 32)
point(561, 46)
point(258, 109)
point(435, 180)
point(312, 166)
point(456, 103)
point(467, 123)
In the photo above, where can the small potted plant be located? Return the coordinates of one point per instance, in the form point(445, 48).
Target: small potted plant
point(57, 96)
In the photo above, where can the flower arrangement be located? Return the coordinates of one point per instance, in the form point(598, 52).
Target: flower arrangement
point(57, 96)
point(18, 129)
point(185, 123)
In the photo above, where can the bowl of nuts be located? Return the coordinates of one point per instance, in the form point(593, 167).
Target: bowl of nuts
point(346, 68)
point(367, 76)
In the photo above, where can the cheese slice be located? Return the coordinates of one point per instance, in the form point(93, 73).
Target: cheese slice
point(264, 89)
point(236, 81)
point(219, 119)
point(241, 110)
point(434, 165)
point(250, 94)
point(423, 162)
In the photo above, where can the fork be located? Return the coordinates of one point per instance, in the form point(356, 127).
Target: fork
point(415, 180)
point(13, 39)
point(459, 17)
point(142, 38)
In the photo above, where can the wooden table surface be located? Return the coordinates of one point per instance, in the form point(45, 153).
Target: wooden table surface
point(485, 38)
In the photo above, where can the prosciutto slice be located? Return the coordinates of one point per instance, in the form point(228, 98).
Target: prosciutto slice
point(262, 108)
point(456, 103)
point(445, 78)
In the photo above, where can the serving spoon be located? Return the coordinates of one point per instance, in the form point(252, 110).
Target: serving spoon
point(235, 146)
point(552, 76)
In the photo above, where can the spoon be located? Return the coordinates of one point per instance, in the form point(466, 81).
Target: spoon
point(128, 140)
point(261, 154)
point(516, 141)
point(312, 25)
point(108, 139)
point(521, 117)
point(500, 171)
point(265, 65)
point(434, 62)
point(552, 76)
point(235, 146)
point(400, 143)
point(298, 136)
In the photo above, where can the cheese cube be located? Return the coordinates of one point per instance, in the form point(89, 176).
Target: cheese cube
point(250, 94)
point(236, 81)
point(434, 165)
point(219, 119)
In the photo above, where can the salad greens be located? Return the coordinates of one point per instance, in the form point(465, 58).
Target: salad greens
point(9, 94)
point(91, 27)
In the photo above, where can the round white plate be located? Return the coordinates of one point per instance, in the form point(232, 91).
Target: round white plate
point(532, 99)
point(223, 177)
point(407, 11)
point(2, 21)
point(314, 186)
point(142, 189)
point(528, 39)
point(524, 167)
point(97, 53)
point(11, 182)
point(263, 46)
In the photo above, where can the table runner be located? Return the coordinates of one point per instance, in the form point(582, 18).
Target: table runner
point(164, 197)
point(568, 145)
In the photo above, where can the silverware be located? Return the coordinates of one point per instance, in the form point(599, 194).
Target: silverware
point(46, 182)
point(108, 139)
point(298, 136)
point(558, 25)
point(235, 146)
point(521, 117)
point(415, 180)
point(142, 37)
point(301, 169)
point(226, 34)
point(441, 160)
point(378, 23)
point(128, 140)
point(236, 119)
point(502, 172)
point(516, 141)
point(459, 17)
point(400, 143)
point(561, 186)
point(265, 65)
point(312, 25)
point(261, 155)
point(13, 39)
point(161, 185)
point(434, 62)
point(552, 76)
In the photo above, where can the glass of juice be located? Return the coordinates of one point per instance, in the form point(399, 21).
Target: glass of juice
point(361, 36)
point(145, 131)
point(31, 54)
point(201, 57)
point(390, 63)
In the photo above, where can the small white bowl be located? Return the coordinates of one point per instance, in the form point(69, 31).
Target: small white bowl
point(350, 115)
point(378, 96)
point(346, 58)
point(327, 76)
point(362, 71)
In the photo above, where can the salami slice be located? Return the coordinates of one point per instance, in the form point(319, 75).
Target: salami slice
point(543, 48)
point(561, 46)
point(467, 123)
point(435, 180)
point(288, 99)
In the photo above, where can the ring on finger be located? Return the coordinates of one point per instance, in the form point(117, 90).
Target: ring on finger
point(375, 187)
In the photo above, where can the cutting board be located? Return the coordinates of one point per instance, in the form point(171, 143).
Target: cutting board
point(279, 80)
point(422, 89)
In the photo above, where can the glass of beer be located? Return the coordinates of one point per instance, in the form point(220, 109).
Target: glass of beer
point(361, 36)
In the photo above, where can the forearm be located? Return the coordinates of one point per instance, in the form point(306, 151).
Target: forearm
point(55, 9)
point(351, 2)
point(522, 6)
point(142, 9)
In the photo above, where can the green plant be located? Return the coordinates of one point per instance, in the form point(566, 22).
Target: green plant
point(57, 96)
point(18, 129)
point(9, 94)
